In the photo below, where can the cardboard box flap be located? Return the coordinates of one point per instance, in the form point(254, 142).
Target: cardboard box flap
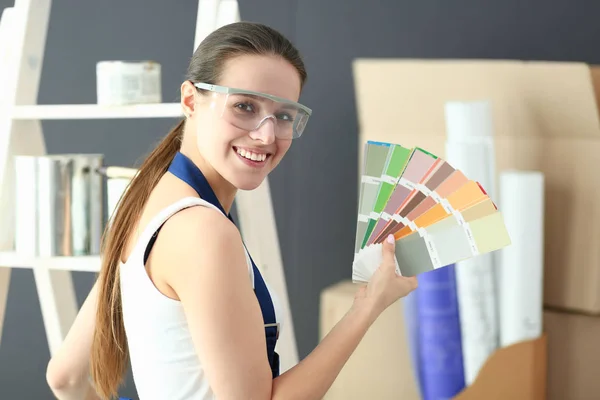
point(529, 98)
point(515, 372)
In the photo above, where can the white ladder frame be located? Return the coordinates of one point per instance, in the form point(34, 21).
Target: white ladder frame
point(23, 30)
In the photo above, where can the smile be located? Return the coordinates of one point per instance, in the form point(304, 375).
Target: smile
point(250, 157)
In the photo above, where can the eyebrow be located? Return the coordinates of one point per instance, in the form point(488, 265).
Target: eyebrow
point(252, 96)
point(261, 99)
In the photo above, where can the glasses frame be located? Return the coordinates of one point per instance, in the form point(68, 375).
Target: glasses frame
point(229, 90)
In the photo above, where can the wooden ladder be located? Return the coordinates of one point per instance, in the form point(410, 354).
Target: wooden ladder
point(23, 30)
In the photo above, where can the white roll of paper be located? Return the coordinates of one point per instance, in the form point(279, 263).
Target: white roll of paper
point(470, 148)
point(521, 264)
point(470, 142)
point(477, 303)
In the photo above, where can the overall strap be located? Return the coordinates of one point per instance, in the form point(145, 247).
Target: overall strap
point(183, 168)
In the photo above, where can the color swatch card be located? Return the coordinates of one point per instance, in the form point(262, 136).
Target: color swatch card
point(397, 162)
point(424, 197)
point(437, 215)
point(376, 158)
point(466, 195)
point(405, 195)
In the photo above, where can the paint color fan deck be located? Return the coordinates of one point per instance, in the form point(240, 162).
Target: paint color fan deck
point(437, 215)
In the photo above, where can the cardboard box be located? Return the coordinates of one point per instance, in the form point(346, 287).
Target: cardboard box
point(573, 354)
point(545, 118)
point(381, 368)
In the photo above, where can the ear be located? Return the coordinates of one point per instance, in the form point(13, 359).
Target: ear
point(188, 97)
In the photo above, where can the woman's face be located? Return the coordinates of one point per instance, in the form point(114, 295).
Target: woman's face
point(242, 155)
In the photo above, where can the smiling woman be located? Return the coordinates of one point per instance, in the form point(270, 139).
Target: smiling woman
point(178, 294)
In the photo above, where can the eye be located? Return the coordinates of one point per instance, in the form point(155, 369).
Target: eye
point(244, 107)
point(285, 117)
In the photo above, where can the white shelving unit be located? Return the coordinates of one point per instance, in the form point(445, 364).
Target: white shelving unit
point(23, 29)
point(80, 263)
point(93, 111)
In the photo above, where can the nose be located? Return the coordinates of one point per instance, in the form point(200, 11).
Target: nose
point(265, 132)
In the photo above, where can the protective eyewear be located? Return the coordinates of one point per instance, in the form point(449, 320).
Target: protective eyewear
point(249, 110)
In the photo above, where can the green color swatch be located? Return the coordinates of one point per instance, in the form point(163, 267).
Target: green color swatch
point(395, 165)
point(376, 156)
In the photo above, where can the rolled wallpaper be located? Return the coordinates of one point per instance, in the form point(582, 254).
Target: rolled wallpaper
point(470, 148)
point(441, 370)
point(521, 264)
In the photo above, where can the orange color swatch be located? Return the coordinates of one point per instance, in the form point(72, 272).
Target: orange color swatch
point(446, 188)
point(466, 196)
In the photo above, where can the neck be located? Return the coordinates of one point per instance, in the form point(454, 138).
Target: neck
point(224, 190)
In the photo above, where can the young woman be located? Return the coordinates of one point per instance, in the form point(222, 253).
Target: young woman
point(178, 295)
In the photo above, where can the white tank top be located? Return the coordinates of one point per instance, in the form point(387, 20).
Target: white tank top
point(163, 358)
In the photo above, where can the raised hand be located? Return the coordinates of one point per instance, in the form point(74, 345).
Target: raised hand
point(385, 286)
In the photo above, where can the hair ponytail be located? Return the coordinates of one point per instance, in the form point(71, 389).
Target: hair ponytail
point(109, 354)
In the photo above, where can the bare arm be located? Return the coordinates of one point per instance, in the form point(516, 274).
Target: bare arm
point(207, 270)
point(67, 372)
point(314, 375)
point(210, 276)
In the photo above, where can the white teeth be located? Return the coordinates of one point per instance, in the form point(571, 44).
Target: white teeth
point(251, 156)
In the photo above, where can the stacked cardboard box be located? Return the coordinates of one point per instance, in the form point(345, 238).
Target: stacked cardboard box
point(545, 118)
point(380, 368)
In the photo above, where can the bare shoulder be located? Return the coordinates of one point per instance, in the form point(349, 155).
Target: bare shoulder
point(197, 225)
point(197, 241)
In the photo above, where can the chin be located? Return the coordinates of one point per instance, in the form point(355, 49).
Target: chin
point(248, 184)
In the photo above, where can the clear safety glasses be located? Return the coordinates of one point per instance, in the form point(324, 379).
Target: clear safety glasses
point(248, 110)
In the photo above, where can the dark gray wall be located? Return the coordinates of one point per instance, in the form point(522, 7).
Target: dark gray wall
point(315, 210)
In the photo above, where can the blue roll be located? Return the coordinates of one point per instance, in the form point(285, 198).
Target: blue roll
point(439, 348)
point(409, 308)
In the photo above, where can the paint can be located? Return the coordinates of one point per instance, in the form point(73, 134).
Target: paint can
point(128, 82)
point(68, 204)
point(117, 183)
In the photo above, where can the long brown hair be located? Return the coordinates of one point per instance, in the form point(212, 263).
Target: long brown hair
point(109, 354)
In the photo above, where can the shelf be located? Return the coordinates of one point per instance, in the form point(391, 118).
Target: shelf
point(83, 263)
point(94, 111)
